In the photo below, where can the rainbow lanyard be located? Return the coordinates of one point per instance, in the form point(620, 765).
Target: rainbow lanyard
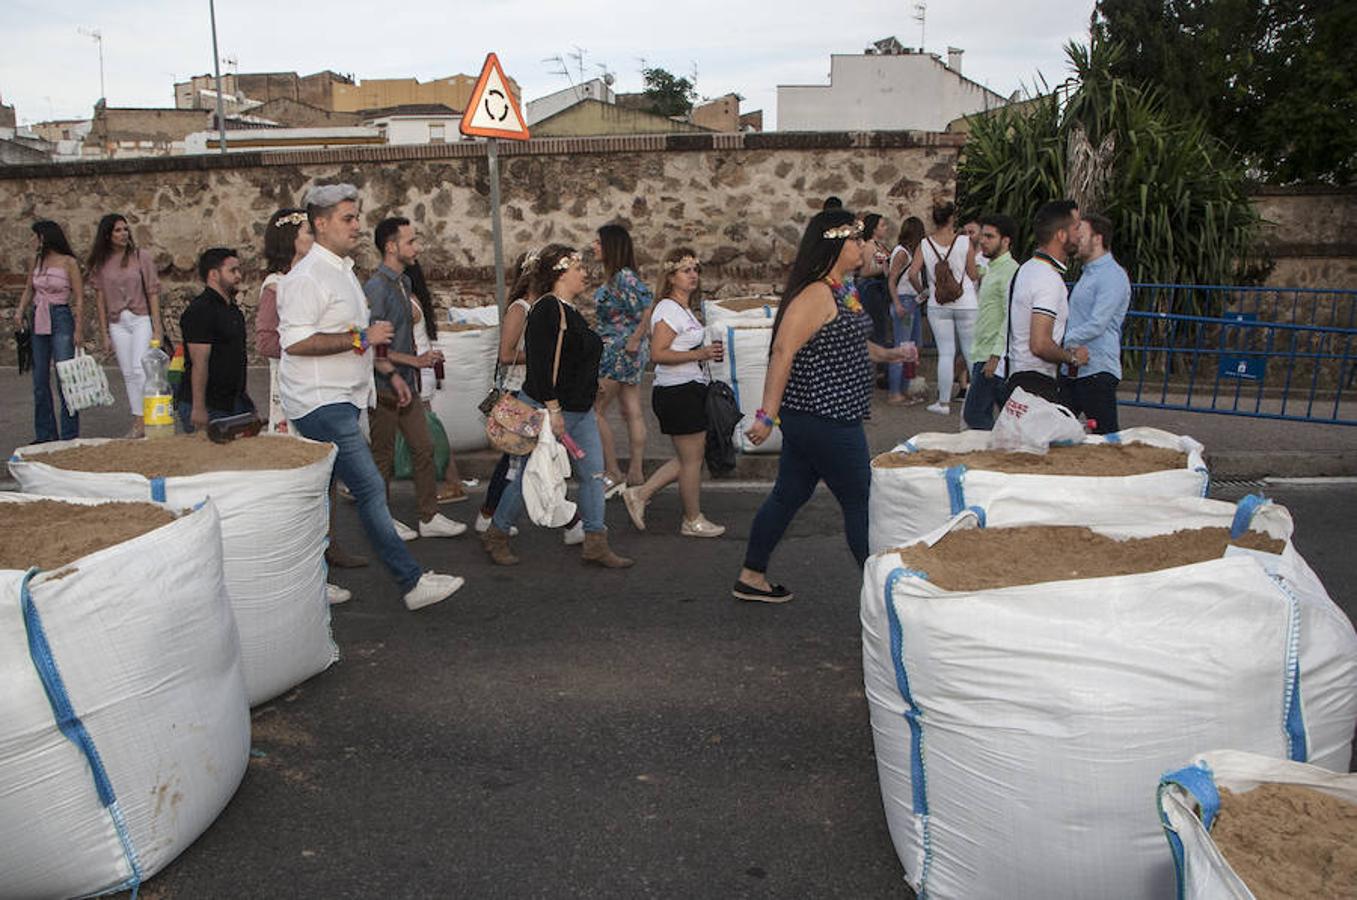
point(846, 295)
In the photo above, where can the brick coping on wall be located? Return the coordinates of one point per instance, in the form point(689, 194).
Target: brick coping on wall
point(654, 143)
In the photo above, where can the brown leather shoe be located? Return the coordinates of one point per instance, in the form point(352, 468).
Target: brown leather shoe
point(339, 558)
point(597, 551)
point(496, 544)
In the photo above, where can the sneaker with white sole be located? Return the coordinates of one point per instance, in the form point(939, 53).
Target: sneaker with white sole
point(942, 409)
point(483, 523)
point(431, 588)
point(440, 526)
point(701, 528)
point(573, 535)
point(403, 531)
point(337, 595)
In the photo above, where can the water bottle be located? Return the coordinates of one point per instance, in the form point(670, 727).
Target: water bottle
point(157, 406)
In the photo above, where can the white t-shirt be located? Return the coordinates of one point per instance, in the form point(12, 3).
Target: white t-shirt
point(321, 296)
point(956, 261)
point(515, 374)
point(687, 336)
point(903, 289)
point(1038, 289)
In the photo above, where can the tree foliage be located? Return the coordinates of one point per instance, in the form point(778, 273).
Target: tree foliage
point(1173, 192)
point(669, 95)
point(1276, 81)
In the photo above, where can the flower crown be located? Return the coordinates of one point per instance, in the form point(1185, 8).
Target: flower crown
point(565, 262)
point(673, 265)
point(530, 260)
point(849, 230)
point(295, 218)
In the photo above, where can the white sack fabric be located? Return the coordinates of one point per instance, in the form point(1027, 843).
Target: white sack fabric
point(274, 526)
point(124, 728)
point(906, 503)
point(1018, 730)
point(745, 369)
point(474, 315)
point(719, 312)
point(468, 374)
point(1203, 873)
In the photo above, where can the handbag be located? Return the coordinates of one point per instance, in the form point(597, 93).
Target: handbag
point(511, 425)
point(83, 382)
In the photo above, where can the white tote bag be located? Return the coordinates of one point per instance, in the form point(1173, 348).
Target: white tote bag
point(83, 382)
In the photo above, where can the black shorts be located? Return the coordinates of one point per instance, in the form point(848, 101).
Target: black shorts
point(681, 408)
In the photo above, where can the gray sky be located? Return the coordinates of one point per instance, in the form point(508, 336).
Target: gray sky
point(49, 70)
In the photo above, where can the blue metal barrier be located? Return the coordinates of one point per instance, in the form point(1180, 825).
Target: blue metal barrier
point(1277, 353)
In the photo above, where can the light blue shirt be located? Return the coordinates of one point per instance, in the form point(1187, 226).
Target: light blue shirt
point(1098, 305)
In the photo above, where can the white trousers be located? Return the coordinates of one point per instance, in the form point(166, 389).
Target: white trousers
point(131, 336)
point(950, 326)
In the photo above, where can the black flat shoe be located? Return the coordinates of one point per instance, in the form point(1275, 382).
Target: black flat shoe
point(777, 593)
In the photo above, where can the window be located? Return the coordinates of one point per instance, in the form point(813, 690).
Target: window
point(381, 131)
point(436, 132)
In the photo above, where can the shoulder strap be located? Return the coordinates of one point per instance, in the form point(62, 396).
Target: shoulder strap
point(560, 340)
point(1008, 327)
point(948, 255)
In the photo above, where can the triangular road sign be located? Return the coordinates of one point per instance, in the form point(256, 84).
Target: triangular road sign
point(492, 111)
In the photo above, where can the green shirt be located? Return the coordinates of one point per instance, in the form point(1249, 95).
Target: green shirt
point(991, 323)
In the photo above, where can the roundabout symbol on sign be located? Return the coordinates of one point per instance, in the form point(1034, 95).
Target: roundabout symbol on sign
point(496, 105)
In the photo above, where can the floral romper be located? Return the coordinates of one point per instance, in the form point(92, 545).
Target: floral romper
point(620, 304)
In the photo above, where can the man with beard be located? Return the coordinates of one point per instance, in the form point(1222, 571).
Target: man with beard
point(1098, 305)
point(1039, 306)
point(213, 331)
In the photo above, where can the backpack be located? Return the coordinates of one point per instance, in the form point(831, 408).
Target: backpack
point(946, 289)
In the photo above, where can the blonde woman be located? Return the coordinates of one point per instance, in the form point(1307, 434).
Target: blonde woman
point(679, 397)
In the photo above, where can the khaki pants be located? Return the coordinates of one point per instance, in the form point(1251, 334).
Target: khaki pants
point(386, 419)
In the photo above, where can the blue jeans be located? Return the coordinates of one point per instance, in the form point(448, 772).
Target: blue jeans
point(908, 327)
point(185, 412)
point(982, 399)
point(337, 423)
point(49, 349)
point(583, 428)
point(814, 449)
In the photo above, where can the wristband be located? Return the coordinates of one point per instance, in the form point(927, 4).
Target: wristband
point(761, 415)
point(360, 339)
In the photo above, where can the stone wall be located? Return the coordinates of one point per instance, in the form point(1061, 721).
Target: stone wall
point(1311, 236)
point(740, 200)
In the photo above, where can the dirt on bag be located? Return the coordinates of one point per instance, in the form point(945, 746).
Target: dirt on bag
point(1289, 842)
point(988, 558)
point(462, 326)
point(744, 304)
point(1106, 460)
point(49, 533)
point(185, 454)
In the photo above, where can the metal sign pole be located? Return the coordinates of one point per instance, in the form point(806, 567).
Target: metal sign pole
point(492, 154)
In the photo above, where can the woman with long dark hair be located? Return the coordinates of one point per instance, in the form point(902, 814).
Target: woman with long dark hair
point(287, 238)
point(902, 379)
point(622, 306)
point(127, 291)
point(424, 315)
point(53, 283)
point(565, 383)
point(818, 388)
point(871, 279)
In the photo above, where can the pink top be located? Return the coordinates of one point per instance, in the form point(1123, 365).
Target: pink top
point(51, 287)
point(126, 287)
point(266, 320)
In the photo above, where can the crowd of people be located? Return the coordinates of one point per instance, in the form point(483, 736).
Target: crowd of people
point(853, 310)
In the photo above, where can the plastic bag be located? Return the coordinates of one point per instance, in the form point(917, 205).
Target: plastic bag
point(1031, 424)
point(404, 467)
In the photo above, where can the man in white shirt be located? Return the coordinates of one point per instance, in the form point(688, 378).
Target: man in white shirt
point(325, 375)
point(1039, 306)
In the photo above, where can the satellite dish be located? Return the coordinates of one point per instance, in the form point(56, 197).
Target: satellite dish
point(609, 79)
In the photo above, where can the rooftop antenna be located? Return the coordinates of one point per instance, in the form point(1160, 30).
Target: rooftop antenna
point(98, 37)
point(231, 63)
point(920, 15)
point(561, 69)
point(578, 56)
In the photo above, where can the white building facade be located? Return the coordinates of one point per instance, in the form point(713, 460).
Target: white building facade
point(900, 91)
point(551, 104)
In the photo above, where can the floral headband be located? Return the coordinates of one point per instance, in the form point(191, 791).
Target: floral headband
point(530, 261)
point(570, 259)
point(683, 263)
point(850, 230)
point(295, 218)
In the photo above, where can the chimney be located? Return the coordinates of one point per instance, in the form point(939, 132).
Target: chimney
point(954, 59)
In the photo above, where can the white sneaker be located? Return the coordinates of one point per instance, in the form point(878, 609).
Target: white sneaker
point(942, 409)
point(574, 534)
point(432, 587)
point(440, 526)
point(403, 531)
point(483, 523)
point(337, 595)
point(701, 528)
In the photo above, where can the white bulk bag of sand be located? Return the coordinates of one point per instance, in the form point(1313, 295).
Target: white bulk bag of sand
point(274, 527)
point(474, 315)
point(750, 310)
point(124, 728)
point(745, 368)
point(1189, 800)
point(1018, 729)
point(469, 352)
point(912, 500)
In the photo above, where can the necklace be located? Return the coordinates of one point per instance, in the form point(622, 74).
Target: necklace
point(846, 295)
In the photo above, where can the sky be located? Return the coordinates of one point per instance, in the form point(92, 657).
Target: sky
point(48, 69)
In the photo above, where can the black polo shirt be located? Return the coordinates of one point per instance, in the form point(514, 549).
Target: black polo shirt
point(212, 319)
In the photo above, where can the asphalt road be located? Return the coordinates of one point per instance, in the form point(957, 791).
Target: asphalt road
point(557, 731)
